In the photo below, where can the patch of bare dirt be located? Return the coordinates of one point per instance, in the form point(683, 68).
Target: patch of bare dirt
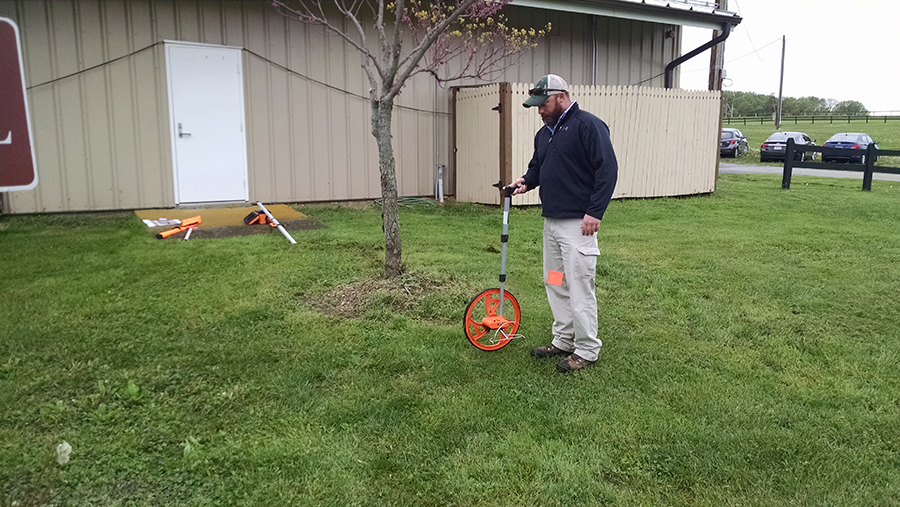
point(422, 296)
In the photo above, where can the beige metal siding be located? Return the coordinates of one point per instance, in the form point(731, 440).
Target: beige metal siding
point(310, 120)
point(628, 52)
point(100, 136)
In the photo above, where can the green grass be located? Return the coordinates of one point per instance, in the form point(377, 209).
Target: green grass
point(750, 358)
point(887, 135)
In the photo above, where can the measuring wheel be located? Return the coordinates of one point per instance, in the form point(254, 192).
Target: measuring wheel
point(485, 327)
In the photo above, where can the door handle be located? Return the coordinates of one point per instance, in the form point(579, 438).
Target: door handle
point(182, 134)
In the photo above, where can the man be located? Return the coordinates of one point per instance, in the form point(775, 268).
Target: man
point(576, 168)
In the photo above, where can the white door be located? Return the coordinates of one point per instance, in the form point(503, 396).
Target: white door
point(206, 102)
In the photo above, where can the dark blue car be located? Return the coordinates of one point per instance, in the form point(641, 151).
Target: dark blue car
point(854, 140)
point(734, 143)
point(776, 145)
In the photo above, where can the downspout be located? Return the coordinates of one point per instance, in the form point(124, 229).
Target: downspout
point(670, 68)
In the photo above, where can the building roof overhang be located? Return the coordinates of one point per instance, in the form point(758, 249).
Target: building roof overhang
point(697, 13)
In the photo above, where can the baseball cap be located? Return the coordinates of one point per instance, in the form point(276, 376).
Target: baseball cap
point(548, 85)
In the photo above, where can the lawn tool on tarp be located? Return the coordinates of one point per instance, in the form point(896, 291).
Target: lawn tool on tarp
point(493, 316)
point(188, 224)
point(263, 217)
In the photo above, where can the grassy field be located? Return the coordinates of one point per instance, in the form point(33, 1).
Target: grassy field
point(887, 135)
point(750, 358)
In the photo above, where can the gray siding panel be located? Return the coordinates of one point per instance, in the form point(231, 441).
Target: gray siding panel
point(101, 139)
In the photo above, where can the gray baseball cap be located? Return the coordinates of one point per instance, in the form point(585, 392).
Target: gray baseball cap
point(546, 86)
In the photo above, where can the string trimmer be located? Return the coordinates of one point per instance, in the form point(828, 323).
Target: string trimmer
point(493, 317)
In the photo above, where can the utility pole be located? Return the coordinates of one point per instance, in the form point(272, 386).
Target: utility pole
point(717, 55)
point(716, 62)
point(780, 85)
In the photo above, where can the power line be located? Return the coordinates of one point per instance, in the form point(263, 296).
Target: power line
point(335, 88)
point(737, 58)
point(648, 79)
point(748, 33)
point(291, 71)
point(755, 51)
point(103, 64)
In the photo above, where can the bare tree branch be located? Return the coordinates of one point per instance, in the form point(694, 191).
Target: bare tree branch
point(306, 15)
point(393, 52)
point(418, 52)
point(368, 58)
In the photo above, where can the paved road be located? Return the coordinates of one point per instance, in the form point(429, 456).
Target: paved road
point(725, 167)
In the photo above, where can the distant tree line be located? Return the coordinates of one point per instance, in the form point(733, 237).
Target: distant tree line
point(755, 104)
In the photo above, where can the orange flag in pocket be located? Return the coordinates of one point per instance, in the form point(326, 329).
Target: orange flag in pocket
point(554, 277)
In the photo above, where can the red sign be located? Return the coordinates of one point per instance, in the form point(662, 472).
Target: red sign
point(17, 170)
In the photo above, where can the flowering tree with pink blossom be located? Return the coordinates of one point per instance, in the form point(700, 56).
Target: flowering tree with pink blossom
point(446, 39)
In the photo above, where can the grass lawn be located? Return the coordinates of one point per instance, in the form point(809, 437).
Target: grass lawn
point(751, 351)
point(887, 135)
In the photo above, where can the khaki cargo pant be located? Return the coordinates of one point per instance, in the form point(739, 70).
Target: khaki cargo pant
point(574, 302)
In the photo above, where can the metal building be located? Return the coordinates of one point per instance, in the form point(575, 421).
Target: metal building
point(164, 103)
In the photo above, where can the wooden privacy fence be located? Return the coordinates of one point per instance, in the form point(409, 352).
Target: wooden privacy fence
point(666, 141)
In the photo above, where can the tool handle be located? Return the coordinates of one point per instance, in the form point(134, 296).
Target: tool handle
point(505, 190)
point(275, 223)
point(170, 232)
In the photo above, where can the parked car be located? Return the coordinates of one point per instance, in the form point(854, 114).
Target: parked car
point(734, 143)
point(776, 144)
point(856, 141)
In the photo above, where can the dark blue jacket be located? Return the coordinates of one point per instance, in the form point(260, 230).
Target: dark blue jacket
point(575, 167)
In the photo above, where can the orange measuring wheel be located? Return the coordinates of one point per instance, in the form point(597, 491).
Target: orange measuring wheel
point(486, 327)
point(493, 317)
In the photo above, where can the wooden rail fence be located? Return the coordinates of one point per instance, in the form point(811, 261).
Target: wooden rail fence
point(830, 119)
point(868, 166)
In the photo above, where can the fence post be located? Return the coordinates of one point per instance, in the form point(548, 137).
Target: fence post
point(870, 168)
point(788, 164)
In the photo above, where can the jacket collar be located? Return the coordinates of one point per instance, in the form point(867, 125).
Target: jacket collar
point(573, 108)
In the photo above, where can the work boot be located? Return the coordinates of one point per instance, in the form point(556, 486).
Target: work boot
point(549, 351)
point(573, 363)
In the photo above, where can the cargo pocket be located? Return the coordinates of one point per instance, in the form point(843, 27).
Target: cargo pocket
point(587, 262)
point(589, 250)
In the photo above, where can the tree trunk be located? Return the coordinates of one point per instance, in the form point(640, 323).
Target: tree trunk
point(390, 213)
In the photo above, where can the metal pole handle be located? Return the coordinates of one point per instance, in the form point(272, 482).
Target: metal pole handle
point(274, 221)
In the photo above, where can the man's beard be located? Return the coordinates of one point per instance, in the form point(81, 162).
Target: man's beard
point(552, 117)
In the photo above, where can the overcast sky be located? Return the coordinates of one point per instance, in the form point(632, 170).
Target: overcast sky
point(829, 43)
